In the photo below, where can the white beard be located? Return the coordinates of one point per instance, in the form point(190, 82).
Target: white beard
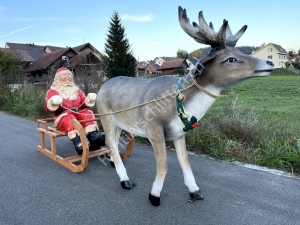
point(67, 92)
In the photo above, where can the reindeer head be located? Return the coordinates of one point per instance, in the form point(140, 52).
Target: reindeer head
point(224, 65)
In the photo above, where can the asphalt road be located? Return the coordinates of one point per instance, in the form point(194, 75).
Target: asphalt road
point(36, 190)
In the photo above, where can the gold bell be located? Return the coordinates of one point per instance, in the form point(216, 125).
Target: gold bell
point(180, 97)
point(184, 116)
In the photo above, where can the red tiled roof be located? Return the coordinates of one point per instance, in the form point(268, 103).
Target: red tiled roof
point(172, 64)
point(139, 65)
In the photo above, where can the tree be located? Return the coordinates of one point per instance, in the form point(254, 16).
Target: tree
point(287, 64)
point(179, 70)
point(119, 55)
point(196, 54)
point(7, 60)
point(183, 54)
point(247, 49)
point(296, 65)
point(291, 53)
point(10, 68)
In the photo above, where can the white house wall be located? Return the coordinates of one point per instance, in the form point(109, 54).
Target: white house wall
point(269, 52)
point(159, 61)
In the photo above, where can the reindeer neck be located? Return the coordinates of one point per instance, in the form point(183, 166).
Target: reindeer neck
point(197, 100)
point(189, 82)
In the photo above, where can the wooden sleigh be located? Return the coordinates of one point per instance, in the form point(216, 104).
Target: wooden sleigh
point(44, 126)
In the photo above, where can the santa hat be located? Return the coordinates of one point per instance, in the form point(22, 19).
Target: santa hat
point(61, 71)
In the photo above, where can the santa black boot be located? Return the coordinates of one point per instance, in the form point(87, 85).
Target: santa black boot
point(76, 141)
point(96, 140)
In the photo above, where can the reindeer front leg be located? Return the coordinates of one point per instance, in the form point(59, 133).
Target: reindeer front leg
point(189, 179)
point(158, 143)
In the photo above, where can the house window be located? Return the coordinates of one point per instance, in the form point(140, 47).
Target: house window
point(270, 50)
point(269, 57)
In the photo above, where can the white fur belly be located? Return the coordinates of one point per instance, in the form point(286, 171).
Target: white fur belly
point(135, 130)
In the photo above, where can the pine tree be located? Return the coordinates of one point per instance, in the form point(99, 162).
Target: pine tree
point(119, 55)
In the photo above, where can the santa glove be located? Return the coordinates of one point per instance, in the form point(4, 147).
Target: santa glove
point(54, 102)
point(91, 99)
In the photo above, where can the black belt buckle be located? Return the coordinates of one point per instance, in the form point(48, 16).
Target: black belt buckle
point(74, 109)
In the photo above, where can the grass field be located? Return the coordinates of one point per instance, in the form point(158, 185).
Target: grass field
point(273, 98)
point(256, 121)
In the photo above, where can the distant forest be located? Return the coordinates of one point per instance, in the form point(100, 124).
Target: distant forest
point(244, 49)
point(247, 49)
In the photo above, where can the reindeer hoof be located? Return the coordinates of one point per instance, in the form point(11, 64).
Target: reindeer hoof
point(112, 164)
point(196, 196)
point(155, 201)
point(126, 184)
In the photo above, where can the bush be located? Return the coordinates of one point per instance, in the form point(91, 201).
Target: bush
point(26, 101)
point(281, 71)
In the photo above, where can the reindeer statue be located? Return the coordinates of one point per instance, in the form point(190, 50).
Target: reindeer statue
point(164, 108)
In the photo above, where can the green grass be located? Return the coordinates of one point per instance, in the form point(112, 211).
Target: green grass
point(273, 98)
point(257, 123)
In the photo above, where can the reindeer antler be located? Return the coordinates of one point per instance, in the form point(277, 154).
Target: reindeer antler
point(205, 34)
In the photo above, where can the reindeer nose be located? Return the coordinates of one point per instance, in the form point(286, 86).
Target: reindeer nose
point(270, 63)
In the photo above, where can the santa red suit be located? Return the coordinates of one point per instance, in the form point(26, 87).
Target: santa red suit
point(68, 102)
point(69, 109)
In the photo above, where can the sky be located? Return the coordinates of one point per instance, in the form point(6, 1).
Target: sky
point(151, 26)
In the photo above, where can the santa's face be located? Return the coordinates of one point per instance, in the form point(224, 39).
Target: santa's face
point(66, 80)
point(65, 86)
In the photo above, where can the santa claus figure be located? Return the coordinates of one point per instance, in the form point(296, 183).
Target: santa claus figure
point(67, 101)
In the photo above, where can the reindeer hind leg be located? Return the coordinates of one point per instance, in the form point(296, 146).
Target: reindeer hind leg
point(111, 136)
point(159, 147)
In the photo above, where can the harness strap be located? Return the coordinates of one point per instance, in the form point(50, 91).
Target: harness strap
point(188, 124)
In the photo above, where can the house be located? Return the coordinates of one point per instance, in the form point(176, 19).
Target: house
point(172, 67)
point(29, 52)
point(160, 60)
point(49, 49)
point(53, 60)
point(40, 60)
point(152, 67)
point(87, 47)
point(297, 59)
point(191, 62)
point(141, 68)
point(162, 66)
point(274, 53)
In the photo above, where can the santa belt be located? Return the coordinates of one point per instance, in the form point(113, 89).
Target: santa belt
point(59, 111)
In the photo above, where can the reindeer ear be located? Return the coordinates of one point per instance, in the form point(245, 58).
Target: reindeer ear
point(200, 65)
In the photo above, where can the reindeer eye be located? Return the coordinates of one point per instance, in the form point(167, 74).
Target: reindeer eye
point(231, 60)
